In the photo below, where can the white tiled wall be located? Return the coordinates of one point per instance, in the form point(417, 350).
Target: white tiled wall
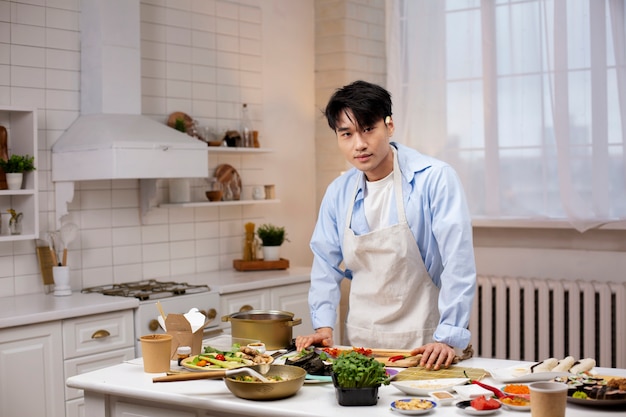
point(202, 57)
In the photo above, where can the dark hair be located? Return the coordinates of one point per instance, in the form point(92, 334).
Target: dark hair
point(368, 102)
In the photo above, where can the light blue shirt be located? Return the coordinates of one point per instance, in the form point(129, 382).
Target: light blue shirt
point(438, 216)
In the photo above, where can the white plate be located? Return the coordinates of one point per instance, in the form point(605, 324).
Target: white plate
point(472, 391)
point(427, 386)
point(468, 409)
point(415, 412)
point(521, 373)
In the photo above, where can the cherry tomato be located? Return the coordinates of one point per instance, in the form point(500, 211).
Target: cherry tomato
point(220, 357)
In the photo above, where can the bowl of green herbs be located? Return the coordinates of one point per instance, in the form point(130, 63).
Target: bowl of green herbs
point(356, 378)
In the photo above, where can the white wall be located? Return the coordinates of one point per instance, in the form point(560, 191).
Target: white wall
point(39, 67)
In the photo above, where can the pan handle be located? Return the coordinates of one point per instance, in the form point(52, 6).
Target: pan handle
point(188, 376)
point(293, 322)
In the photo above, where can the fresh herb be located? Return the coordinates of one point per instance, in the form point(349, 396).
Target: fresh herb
point(354, 370)
point(271, 235)
point(18, 163)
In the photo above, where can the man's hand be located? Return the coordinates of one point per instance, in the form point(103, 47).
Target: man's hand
point(435, 355)
point(322, 337)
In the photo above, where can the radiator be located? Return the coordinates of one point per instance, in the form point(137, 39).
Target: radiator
point(533, 319)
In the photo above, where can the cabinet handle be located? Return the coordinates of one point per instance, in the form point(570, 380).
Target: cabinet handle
point(153, 325)
point(99, 334)
point(211, 314)
point(246, 307)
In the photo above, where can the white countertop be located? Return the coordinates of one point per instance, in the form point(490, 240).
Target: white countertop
point(128, 380)
point(231, 280)
point(22, 310)
point(28, 309)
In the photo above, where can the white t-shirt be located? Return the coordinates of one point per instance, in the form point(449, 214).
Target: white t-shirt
point(377, 202)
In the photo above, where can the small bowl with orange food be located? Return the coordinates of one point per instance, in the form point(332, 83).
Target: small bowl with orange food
point(517, 390)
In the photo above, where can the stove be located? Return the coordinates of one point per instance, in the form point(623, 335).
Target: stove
point(173, 297)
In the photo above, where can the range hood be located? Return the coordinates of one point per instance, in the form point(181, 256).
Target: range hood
point(111, 139)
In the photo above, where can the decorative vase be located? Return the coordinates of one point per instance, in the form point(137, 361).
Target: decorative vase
point(14, 180)
point(355, 396)
point(271, 253)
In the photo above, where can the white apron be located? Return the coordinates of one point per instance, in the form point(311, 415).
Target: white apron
point(393, 301)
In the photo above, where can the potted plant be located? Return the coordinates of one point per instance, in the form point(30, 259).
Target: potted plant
point(15, 222)
point(272, 237)
point(356, 378)
point(15, 167)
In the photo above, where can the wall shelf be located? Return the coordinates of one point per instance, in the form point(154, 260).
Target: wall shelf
point(21, 125)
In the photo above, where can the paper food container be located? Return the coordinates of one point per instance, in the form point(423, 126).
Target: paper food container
point(186, 330)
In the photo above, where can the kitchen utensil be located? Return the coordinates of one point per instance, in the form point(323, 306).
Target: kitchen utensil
point(52, 247)
point(210, 375)
point(230, 180)
point(45, 263)
point(272, 327)
point(68, 232)
point(292, 380)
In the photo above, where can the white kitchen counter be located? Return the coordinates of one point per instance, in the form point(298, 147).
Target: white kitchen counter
point(28, 309)
point(23, 310)
point(230, 280)
point(127, 383)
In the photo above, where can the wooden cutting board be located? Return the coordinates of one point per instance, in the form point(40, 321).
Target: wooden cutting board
point(420, 373)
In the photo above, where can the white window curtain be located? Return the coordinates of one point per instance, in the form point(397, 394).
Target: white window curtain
point(526, 99)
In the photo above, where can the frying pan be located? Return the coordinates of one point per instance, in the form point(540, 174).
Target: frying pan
point(293, 379)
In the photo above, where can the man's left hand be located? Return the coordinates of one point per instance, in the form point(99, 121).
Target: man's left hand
point(435, 355)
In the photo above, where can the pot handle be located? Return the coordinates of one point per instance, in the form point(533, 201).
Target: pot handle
point(293, 322)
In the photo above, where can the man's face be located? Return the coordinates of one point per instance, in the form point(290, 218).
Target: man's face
point(366, 147)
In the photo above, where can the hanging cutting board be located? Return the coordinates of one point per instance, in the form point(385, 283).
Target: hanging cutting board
point(4, 155)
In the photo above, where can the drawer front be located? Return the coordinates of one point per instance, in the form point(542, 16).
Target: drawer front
point(98, 333)
point(90, 363)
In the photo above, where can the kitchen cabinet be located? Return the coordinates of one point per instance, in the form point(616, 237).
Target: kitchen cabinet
point(36, 360)
point(93, 342)
point(21, 125)
point(31, 378)
point(292, 298)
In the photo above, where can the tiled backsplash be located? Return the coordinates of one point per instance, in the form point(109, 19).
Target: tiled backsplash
point(199, 57)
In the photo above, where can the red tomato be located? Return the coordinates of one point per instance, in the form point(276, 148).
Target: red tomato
point(220, 357)
point(362, 351)
point(482, 403)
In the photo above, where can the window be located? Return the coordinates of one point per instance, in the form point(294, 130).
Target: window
point(525, 98)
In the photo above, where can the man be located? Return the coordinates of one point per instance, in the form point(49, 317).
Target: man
point(398, 222)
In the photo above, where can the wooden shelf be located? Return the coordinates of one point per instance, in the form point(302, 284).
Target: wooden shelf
point(229, 149)
point(218, 203)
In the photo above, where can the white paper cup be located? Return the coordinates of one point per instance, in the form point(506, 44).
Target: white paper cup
point(548, 399)
point(156, 351)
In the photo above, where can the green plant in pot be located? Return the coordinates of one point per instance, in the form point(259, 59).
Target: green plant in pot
point(357, 377)
point(15, 167)
point(272, 237)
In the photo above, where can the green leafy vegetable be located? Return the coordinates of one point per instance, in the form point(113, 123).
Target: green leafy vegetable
point(354, 370)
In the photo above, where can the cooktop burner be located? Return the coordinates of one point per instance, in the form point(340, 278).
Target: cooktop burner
point(148, 289)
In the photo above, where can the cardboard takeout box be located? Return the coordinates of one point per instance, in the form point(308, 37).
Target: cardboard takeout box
point(180, 328)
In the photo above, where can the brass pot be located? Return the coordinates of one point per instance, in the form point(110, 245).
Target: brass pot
point(293, 379)
point(272, 327)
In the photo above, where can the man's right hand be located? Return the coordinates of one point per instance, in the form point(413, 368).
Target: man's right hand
point(322, 337)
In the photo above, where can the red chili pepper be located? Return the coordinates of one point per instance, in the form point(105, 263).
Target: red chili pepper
point(495, 390)
point(396, 358)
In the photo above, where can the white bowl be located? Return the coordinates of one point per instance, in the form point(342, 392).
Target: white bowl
point(259, 346)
